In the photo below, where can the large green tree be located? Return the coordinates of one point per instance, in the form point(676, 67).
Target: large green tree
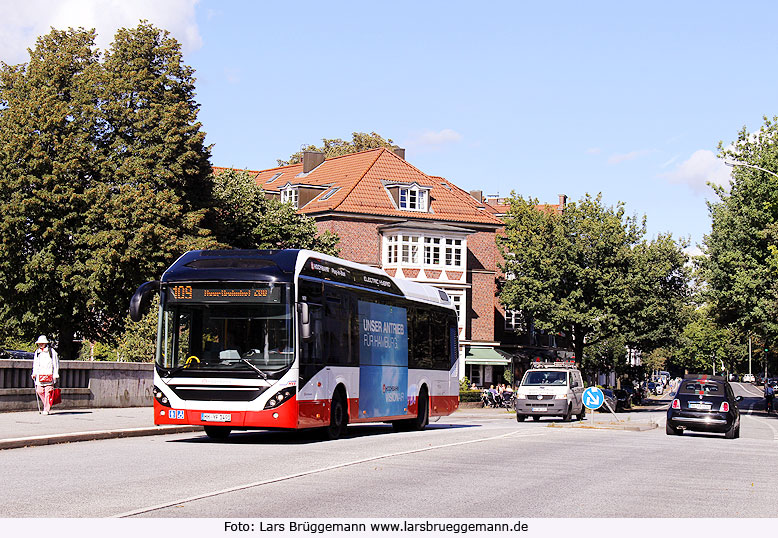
point(49, 173)
point(584, 272)
point(104, 179)
point(335, 147)
point(740, 264)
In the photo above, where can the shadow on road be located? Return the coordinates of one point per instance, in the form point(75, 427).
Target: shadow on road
point(303, 437)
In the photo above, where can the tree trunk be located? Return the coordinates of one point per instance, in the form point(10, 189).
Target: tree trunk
point(65, 348)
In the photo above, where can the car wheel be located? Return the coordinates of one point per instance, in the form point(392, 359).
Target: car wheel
point(731, 433)
point(569, 414)
point(535, 417)
point(669, 430)
point(520, 417)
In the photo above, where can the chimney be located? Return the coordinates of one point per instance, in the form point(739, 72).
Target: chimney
point(312, 159)
point(562, 201)
point(400, 152)
point(478, 195)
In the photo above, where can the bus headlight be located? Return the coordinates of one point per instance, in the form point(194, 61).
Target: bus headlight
point(281, 397)
point(160, 397)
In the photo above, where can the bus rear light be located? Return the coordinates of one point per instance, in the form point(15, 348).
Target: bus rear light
point(724, 407)
point(676, 404)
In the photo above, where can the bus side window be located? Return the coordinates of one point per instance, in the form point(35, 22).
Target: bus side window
point(336, 332)
point(420, 325)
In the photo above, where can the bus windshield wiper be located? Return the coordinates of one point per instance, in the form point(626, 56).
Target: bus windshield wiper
point(257, 370)
point(175, 370)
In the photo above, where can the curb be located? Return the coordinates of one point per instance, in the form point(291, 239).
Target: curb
point(42, 440)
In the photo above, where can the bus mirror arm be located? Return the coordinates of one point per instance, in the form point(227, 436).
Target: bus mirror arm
point(305, 320)
point(141, 299)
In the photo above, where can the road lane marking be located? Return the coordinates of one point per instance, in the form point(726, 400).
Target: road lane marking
point(520, 433)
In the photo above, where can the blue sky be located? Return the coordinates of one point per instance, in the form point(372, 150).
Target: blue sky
point(543, 98)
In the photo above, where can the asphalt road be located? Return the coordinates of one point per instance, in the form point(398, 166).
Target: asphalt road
point(473, 464)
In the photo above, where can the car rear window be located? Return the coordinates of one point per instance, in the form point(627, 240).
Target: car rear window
point(695, 387)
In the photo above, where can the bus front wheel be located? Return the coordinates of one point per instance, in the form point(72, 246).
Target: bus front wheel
point(338, 417)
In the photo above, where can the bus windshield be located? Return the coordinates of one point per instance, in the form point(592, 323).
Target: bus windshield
point(227, 337)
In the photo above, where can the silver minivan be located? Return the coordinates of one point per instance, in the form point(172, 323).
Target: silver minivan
point(550, 391)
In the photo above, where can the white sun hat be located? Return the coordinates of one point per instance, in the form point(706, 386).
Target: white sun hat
point(42, 339)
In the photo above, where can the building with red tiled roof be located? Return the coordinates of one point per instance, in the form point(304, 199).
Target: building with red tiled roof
point(389, 214)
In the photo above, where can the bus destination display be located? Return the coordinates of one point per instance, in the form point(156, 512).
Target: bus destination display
point(189, 293)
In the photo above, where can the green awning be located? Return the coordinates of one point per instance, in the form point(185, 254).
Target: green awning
point(487, 356)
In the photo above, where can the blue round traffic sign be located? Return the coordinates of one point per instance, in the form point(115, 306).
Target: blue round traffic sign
point(593, 398)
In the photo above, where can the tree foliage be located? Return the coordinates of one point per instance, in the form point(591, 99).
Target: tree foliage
point(247, 219)
point(740, 265)
point(335, 147)
point(589, 273)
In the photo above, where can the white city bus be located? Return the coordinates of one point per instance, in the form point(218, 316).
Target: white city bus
point(251, 339)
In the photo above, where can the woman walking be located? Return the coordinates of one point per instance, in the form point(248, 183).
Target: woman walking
point(45, 371)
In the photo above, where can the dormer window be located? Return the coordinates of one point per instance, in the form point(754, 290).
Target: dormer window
point(413, 198)
point(289, 195)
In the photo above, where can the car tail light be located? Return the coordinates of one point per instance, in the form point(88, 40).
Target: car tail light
point(724, 407)
point(676, 404)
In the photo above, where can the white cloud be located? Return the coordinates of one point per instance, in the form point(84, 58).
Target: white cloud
point(696, 171)
point(594, 151)
point(632, 155)
point(434, 139)
point(23, 21)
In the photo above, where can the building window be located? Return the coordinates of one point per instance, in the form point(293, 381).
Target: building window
point(514, 320)
point(426, 251)
point(391, 249)
point(290, 196)
point(454, 252)
point(413, 198)
point(410, 249)
point(432, 251)
point(276, 176)
point(329, 193)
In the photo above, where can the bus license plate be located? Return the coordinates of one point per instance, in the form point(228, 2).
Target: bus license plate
point(215, 417)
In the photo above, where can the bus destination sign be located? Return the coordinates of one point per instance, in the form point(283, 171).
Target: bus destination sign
point(205, 293)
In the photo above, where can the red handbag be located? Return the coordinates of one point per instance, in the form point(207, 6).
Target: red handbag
point(55, 397)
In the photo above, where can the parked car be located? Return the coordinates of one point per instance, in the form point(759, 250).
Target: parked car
point(651, 388)
point(610, 399)
point(704, 403)
point(748, 378)
point(623, 398)
point(15, 354)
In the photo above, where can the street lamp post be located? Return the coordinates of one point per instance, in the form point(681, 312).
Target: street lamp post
point(733, 164)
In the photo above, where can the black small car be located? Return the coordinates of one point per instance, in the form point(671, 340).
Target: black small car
point(704, 403)
point(623, 398)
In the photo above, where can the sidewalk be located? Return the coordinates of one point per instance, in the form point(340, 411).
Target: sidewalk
point(28, 428)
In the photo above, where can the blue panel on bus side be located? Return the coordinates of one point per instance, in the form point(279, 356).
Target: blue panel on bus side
point(383, 335)
point(382, 391)
point(383, 360)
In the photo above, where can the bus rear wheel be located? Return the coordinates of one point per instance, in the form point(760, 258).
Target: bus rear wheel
point(217, 433)
point(338, 417)
point(422, 417)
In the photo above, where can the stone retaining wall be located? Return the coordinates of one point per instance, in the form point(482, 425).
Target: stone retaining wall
point(83, 384)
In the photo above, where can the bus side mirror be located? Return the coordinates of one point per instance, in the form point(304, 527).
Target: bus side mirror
point(305, 320)
point(141, 299)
